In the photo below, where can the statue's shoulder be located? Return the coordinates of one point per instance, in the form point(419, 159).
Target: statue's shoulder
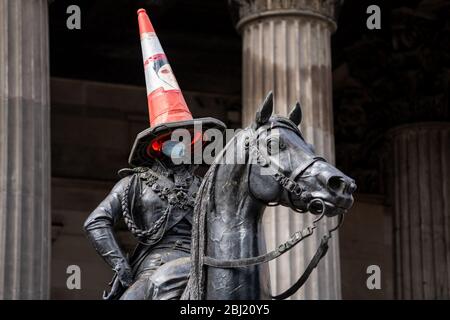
point(125, 172)
point(198, 179)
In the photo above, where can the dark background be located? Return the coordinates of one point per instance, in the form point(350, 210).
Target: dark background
point(381, 79)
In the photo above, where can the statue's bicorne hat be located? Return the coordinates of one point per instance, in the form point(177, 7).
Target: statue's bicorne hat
point(167, 108)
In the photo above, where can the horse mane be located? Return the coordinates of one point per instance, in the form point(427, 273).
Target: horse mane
point(195, 288)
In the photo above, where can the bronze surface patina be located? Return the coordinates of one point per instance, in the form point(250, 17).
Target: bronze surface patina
point(166, 205)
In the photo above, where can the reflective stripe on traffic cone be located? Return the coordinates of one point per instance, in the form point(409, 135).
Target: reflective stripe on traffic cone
point(165, 100)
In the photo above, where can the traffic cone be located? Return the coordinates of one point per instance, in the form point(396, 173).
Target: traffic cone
point(165, 101)
point(167, 108)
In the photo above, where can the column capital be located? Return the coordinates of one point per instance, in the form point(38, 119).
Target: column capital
point(247, 11)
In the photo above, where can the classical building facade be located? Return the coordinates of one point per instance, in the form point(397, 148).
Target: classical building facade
point(376, 103)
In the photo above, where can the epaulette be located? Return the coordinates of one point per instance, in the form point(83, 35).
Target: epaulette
point(129, 171)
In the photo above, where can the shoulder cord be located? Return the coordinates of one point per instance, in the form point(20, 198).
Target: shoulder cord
point(135, 230)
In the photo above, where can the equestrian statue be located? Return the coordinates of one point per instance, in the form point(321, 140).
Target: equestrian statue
point(202, 239)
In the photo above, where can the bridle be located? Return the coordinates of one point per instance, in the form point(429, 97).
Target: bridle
point(292, 187)
point(288, 183)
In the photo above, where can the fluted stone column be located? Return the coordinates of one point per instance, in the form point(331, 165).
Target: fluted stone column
point(24, 150)
point(421, 201)
point(286, 48)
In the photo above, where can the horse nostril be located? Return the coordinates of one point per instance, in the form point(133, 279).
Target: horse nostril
point(352, 187)
point(337, 184)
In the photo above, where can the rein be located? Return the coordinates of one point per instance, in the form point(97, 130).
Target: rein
point(291, 187)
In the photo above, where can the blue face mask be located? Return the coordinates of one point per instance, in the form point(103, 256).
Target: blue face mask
point(174, 149)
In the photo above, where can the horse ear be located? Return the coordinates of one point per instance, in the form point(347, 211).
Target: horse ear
point(296, 114)
point(264, 113)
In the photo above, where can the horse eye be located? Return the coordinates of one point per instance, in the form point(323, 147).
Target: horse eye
point(274, 145)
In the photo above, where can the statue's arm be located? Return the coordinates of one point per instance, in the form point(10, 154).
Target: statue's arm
point(99, 229)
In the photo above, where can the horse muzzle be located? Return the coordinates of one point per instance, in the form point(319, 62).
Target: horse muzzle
point(330, 209)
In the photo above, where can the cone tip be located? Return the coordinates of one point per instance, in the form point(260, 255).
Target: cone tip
point(144, 22)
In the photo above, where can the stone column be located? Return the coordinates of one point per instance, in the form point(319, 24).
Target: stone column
point(420, 173)
point(286, 48)
point(24, 150)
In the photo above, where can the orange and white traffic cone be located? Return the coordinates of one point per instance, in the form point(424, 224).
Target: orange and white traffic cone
point(167, 108)
point(165, 101)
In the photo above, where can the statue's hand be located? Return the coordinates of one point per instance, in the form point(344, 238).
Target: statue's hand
point(124, 274)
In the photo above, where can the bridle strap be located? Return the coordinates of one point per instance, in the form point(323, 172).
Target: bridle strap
point(300, 170)
point(320, 253)
point(288, 183)
point(283, 248)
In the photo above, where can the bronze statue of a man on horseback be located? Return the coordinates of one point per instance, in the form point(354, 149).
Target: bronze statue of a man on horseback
point(201, 238)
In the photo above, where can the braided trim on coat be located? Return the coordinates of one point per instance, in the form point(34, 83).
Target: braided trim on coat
point(135, 230)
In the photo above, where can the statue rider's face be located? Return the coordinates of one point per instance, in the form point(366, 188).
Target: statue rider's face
point(175, 150)
point(178, 148)
point(175, 153)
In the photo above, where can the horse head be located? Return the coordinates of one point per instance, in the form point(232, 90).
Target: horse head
point(285, 169)
point(275, 166)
